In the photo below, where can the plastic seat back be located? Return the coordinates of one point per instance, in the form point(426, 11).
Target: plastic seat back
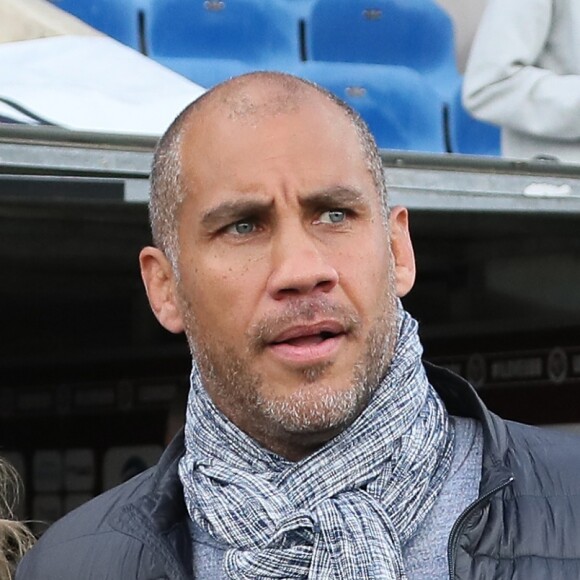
point(118, 19)
point(413, 33)
point(246, 30)
point(401, 109)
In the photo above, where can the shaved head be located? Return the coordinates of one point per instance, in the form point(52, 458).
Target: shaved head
point(247, 98)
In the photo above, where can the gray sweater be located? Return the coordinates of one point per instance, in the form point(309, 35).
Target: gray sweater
point(426, 553)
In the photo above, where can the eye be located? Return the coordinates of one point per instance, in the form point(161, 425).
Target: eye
point(242, 228)
point(333, 216)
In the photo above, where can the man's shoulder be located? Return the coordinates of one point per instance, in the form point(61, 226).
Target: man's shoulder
point(542, 460)
point(545, 458)
point(66, 547)
point(94, 516)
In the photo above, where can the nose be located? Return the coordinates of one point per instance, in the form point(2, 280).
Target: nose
point(299, 266)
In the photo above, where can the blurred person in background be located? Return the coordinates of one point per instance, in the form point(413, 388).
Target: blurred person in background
point(523, 74)
point(15, 537)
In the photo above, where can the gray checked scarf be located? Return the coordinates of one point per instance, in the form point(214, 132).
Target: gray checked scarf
point(343, 512)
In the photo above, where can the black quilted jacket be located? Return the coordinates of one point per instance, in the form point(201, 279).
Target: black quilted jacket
point(524, 526)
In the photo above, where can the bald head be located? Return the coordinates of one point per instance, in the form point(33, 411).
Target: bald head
point(247, 99)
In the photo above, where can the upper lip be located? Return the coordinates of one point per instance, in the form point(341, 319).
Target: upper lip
point(332, 327)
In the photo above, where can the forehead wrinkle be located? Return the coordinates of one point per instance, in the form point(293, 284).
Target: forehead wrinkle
point(169, 188)
point(250, 99)
point(232, 210)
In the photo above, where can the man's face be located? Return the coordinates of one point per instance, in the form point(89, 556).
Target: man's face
point(287, 282)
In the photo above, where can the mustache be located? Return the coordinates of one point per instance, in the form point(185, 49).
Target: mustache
point(299, 312)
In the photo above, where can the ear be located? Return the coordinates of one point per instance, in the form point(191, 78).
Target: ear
point(402, 250)
point(159, 280)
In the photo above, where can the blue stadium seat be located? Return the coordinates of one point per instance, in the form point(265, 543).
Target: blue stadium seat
point(301, 8)
point(469, 135)
point(250, 31)
point(206, 72)
point(413, 33)
point(401, 109)
point(116, 18)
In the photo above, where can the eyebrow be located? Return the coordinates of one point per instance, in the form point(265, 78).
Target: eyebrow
point(338, 196)
point(235, 210)
point(232, 211)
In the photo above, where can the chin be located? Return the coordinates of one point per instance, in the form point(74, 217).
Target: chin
point(315, 409)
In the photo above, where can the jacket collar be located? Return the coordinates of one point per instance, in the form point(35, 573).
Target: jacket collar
point(158, 516)
point(162, 509)
point(461, 399)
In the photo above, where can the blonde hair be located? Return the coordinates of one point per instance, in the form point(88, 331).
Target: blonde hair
point(15, 537)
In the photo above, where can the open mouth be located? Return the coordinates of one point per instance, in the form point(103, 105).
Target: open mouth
point(308, 339)
point(308, 344)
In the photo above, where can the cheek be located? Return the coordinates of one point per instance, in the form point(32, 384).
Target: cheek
point(224, 294)
point(366, 276)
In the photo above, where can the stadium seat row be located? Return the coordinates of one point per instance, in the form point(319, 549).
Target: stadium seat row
point(391, 60)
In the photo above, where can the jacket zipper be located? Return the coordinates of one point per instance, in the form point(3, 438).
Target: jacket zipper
point(453, 536)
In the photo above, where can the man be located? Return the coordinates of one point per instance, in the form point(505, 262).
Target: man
point(315, 444)
point(523, 74)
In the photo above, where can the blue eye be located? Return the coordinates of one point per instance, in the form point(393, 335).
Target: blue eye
point(242, 228)
point(333, 216)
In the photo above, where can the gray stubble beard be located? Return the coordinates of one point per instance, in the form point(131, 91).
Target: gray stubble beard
point(307, 410)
